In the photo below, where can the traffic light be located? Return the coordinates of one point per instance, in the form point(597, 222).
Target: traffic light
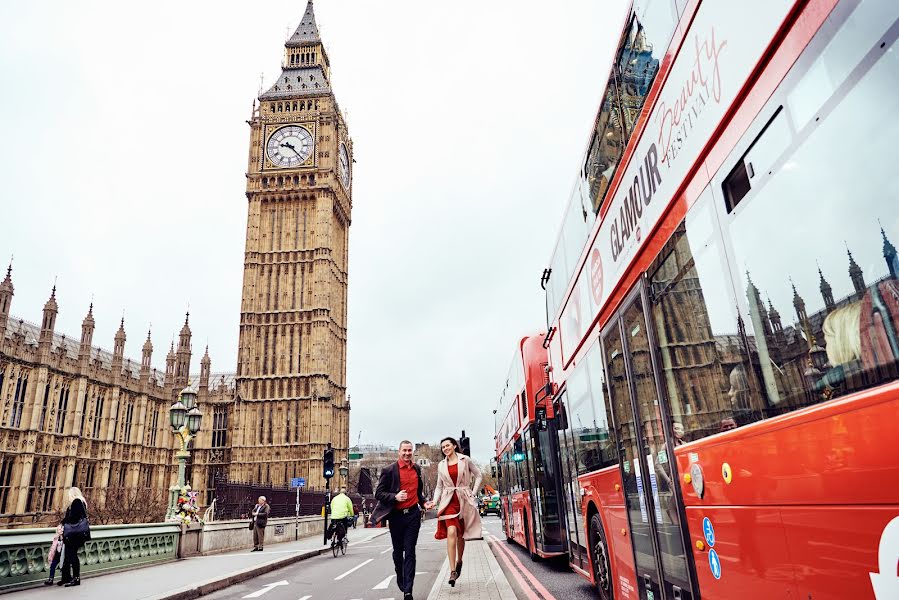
point(518, 451)
point(328, 463)
point(464, 444)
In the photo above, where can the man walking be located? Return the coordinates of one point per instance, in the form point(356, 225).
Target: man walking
point(260, 520)
point(400, 501)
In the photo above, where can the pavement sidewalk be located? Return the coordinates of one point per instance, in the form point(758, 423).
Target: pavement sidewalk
point(192, 577)
point(481, 579)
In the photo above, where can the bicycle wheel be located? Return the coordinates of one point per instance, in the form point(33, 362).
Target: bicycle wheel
point(334, 546)
point(343, 545)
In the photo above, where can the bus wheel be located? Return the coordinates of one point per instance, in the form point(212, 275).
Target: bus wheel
point(599, 551)
point(527, 541)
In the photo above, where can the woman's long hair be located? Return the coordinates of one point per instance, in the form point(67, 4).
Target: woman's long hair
point(75, 494)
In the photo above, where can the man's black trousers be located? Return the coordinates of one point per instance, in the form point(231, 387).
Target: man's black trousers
point(404, 527)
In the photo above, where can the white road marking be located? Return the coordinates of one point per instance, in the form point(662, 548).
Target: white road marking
point(305, 597)
point(356, 568)
point(386, 583)
point(383, 585)
point(267, 588)
point(389, 548)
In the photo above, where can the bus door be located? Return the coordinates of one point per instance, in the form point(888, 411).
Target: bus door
point(548, 532)
point(664, 570)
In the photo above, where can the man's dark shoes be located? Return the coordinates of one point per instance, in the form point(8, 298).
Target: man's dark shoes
point(407, 596)
point(63, 581)
point(74, 582)
point(48, 582)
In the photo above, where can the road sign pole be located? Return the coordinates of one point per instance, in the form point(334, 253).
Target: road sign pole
point(297, 522)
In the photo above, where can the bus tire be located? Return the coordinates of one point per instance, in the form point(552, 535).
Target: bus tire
point(599, 556)
point(527, 541)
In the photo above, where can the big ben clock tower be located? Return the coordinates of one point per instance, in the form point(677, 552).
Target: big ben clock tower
point(291, 371)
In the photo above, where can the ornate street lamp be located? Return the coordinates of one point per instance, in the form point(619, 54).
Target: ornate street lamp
point(185, 418)
point(344, 469)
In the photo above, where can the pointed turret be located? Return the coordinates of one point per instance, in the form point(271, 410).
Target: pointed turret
point(182, 356)
point(826, 291)
point(774, 317)
point(855, 274)
point(306, 70)
point(205, 367)
point(118, 349)
point(170, 366)
point(145, 357)
point(51, 309)
point(889, 254)
point(799, 305)
point(6, 293)
point(87, 334)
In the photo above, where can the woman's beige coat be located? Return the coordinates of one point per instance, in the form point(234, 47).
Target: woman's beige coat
point(467, 485)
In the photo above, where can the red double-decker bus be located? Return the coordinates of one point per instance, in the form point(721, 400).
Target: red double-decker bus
point(527, 455)
point(723, 307)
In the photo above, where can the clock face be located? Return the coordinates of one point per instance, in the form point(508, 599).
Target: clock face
point(289, 146)
point(344, 166)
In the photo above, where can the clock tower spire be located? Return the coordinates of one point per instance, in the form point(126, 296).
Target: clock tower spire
point(291, 371)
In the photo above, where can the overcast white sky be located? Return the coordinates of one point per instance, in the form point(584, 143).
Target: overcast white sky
point(124, 148)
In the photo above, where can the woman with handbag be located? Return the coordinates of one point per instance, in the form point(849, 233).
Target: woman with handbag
point(76, 531)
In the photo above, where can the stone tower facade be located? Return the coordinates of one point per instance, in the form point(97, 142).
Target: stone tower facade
point(291, 371)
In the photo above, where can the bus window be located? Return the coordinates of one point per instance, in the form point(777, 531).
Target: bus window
point(698, 332)
point(792, 298)
point(587, 416)
point(646, 37)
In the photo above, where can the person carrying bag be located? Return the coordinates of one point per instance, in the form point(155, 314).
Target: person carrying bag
point(76, 531)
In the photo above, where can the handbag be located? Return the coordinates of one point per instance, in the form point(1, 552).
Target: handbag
point(81, 528)
point(251, 525)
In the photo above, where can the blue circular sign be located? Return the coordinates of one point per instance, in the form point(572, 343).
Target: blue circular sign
point(715, 564)
point(708, 531)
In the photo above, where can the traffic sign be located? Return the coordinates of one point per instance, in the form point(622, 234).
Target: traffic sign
point(715, 564)
point(708, 531)
point(297, 482)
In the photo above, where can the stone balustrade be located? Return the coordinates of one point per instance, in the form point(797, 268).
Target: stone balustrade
point(23, 552)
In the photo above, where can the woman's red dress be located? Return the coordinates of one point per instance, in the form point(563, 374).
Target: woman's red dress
point(453, 508)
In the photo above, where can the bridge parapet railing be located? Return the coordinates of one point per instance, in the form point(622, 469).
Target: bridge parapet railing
point(23, 552)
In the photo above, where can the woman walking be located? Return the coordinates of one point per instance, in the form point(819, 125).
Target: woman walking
point(76, 532)
point(458, 481)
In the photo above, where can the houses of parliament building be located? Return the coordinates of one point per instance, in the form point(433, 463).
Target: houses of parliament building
point(74, 414)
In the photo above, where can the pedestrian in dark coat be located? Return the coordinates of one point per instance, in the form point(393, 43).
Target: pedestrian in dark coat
point(76, 511)
point(400, 500)
point(260, 520)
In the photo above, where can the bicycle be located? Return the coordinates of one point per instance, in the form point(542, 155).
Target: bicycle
point(339, 541)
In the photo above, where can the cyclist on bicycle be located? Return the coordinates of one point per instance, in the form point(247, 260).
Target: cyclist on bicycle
point(341, 513)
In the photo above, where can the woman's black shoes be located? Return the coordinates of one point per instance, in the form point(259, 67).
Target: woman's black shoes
point(48, 582)
point(74, 582)
point(452, 578)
